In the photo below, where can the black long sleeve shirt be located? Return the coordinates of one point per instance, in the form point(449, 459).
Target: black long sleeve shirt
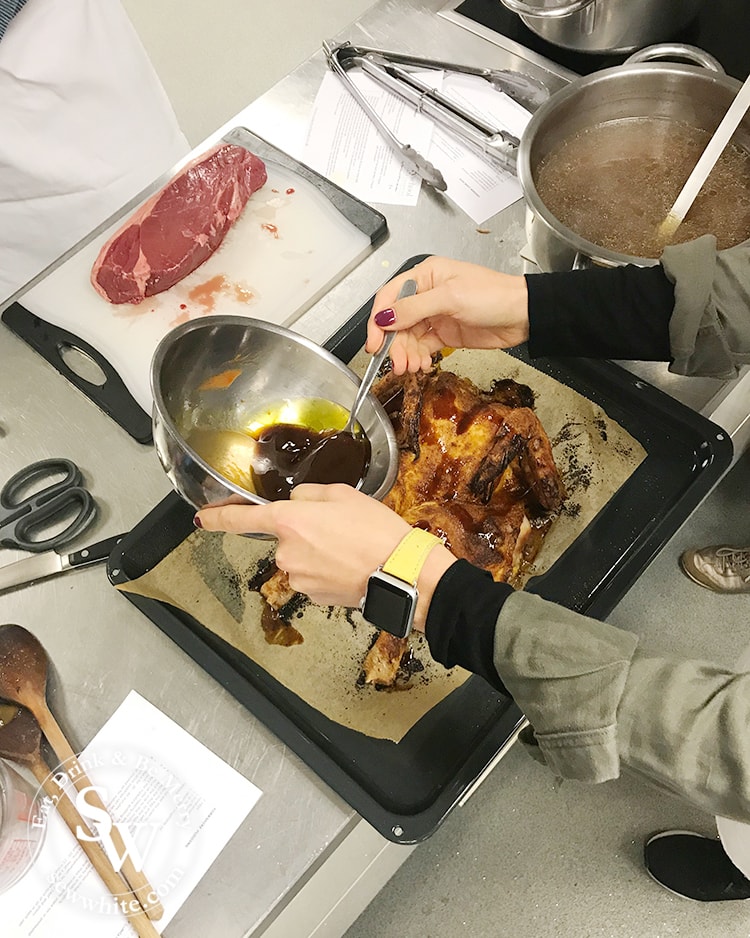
point(620, 313)
point(595, 701)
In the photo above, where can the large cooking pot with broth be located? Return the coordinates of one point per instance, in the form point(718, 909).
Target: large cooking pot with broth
point(602, 161)
point(605, 26)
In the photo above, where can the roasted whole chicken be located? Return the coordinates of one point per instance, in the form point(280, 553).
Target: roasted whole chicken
point(475, 468)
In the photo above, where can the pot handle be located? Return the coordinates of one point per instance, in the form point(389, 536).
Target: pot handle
point(675, 50)
point(544, 11)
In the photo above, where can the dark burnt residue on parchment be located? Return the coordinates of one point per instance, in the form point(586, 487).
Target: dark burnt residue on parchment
point(576, 471)
point(262, 571)
point(574, 446)
point(231, 587)
point(410, 668)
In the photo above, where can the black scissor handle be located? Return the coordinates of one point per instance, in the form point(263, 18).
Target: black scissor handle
point(36, 471)
point(25, 516)
point(58, 505)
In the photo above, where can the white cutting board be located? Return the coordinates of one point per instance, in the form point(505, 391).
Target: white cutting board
point(272, 273)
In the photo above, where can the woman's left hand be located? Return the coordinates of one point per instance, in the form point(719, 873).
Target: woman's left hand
point(331, 538)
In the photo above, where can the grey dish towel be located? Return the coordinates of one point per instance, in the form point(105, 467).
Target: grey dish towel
point(8, 9)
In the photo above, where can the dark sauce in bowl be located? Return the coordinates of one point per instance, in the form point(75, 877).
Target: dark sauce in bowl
point(288, 443)
point(288, 455)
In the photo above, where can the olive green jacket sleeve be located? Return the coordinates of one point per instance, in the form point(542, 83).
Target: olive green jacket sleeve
point(709, 331)
point(597, 705)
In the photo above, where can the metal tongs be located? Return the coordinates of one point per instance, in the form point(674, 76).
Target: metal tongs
point(392, 71)
point(408, 154)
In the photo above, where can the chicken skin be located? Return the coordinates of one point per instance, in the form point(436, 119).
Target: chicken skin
point(482, 457)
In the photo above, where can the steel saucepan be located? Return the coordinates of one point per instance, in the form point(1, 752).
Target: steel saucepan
point(697, 95)
point(605, 26)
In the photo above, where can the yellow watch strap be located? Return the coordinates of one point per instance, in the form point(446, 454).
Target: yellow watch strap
point(408, 558)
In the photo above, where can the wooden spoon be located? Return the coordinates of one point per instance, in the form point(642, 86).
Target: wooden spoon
point(21, 742)
point(23, 680)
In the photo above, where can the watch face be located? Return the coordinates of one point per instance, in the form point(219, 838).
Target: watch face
point(389, 604)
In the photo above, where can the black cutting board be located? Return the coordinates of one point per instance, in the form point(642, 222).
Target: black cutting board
point(406, 789)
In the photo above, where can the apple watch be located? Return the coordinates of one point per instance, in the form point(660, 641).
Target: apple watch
point(391, 597)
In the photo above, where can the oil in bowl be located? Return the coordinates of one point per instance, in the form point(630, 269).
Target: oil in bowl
point(289, 443)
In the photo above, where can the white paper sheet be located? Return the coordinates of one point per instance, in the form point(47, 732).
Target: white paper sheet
point(476, 184)
point(344, 145)
point(178, 801)
point(477, 95)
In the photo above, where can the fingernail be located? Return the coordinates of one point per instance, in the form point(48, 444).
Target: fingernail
point(386, 317)
point(197, 522)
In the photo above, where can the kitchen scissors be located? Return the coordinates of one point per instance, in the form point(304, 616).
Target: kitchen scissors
point(24, 517)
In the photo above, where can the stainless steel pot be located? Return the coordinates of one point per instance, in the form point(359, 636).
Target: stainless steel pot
point(698, 95)
point(605, 26)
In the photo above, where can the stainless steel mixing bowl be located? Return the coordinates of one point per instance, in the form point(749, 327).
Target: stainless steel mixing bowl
point(274, 365)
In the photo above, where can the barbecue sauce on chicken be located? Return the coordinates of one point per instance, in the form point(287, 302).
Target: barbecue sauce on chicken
point(275, 620)
point(277, 630)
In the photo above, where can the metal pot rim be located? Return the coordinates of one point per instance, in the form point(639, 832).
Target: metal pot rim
point(597, 253)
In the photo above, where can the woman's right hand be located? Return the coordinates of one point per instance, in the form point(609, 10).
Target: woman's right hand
point(457, 305)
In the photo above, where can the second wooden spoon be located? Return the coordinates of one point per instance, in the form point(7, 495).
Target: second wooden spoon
point(23, 680)
point(21, 742)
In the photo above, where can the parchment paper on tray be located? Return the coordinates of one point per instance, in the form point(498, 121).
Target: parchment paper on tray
point(207, 575)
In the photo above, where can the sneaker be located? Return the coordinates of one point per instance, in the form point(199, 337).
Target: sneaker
point(694, 867)
point(722, 569)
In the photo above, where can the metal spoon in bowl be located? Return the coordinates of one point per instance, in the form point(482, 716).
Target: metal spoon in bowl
point(349, 445)
point(375, 363)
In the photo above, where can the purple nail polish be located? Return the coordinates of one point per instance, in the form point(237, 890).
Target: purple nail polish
point(197, 522)
point(386, 317)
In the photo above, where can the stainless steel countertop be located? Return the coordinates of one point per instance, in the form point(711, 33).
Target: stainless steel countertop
point(100, 645)
point(436, 226)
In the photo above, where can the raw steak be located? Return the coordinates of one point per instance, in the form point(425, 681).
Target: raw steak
point(179, 227)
